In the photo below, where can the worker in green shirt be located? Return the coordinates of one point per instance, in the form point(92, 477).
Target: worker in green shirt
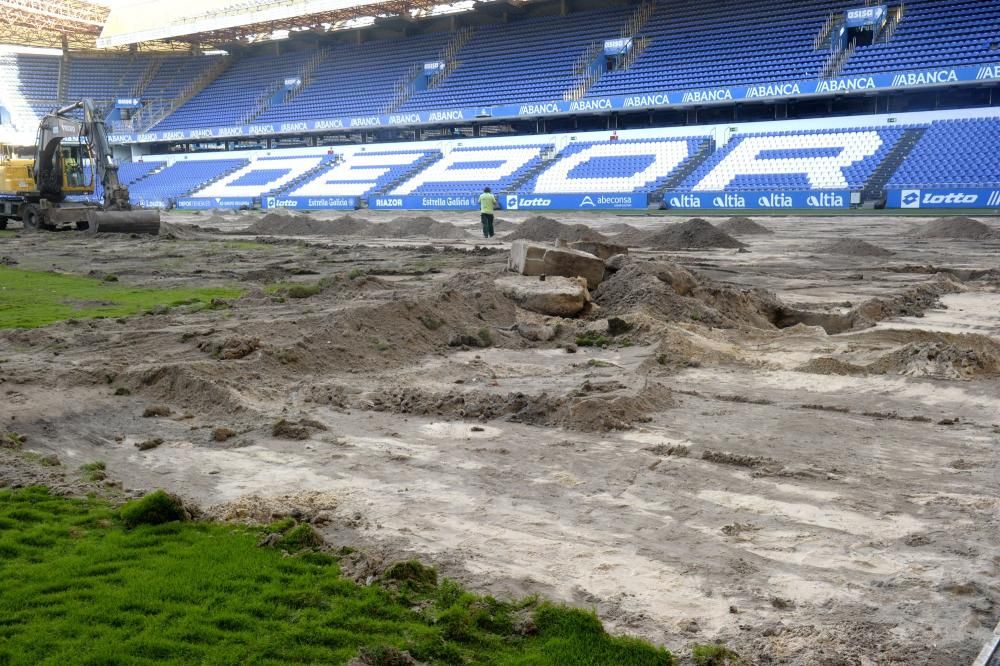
point(487, 204)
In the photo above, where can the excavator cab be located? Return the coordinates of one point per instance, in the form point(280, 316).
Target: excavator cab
point(77, 178)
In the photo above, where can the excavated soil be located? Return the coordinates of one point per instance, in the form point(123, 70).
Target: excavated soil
point(669, 293)
point(958, 228)
point(937, 360)
point(695, 233)
point(777, 450)
point(300, 225)
point(850, 247)
point(547, 230)
point(348, 225)
point(742, 226)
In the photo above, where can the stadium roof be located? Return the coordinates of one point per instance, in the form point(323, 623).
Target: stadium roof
point(223, 21)
point(174, 24)
point(52, 23)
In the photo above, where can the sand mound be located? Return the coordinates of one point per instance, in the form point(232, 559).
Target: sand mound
point(420, 226)
point(668, 292)
point(634, 237)
point(695, 233)
point(502, 226)
point(853, 248)
point(827, 365)
point(546, 230)
point(348, 225)
point(938, 360)
point(301, 225)
point(257, 509)
point(590, 408)
point(960, 228)
point(386, 333)
point(742, 226)
point(198, 387)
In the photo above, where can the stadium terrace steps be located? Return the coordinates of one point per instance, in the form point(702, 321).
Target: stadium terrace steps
point(697, 158)
point(874, 189)
point(422, 164)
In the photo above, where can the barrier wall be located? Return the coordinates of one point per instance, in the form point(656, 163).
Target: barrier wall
point(963, 197)
point(814, 199)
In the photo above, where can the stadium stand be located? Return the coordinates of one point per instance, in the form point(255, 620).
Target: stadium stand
point(128, 173)
point(641, 165)
point(241, 93)
point(934, 33)
point(520, 61)
point(471, 169)
point(698, 45)
point(953, 153)
point(180, 179)
point(866, 159)
point(806, 160)
point(366, 174)
point(358, 80)
point(269, 172)
point(689, 45)
point(29, 86)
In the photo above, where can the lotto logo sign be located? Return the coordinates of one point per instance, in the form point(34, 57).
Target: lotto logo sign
point(511, 202)
point(909, 199)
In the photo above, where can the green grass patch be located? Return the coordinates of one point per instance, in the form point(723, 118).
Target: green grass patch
point(77, 587)
point(592, 339)
point(7, 233)
point(155, 508)
point(295, 289)
point(94, 471)
point(712, 654)
point(29, 299)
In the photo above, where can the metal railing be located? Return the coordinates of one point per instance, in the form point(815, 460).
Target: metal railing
point(403, 89)
point(157, 110)
point(824, 33)
point(448, 55)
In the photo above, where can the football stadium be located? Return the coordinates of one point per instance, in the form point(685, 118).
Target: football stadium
point(401, 332)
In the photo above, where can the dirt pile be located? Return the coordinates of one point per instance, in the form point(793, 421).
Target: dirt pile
point(259, 510)
point(910, 303)
point(695, 233)
point(668, 292)
point(385, 333)
point(742, 226)
point(937, 360)
point(419, 226)
point(957, 228)
point(303, 225)
point(593, 407)
point(634, 237)
point(546, 230)
point(850, 247)
point(196, 386)
point(827, 365)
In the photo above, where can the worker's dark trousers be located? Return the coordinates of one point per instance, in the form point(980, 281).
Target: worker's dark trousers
point(487, 225)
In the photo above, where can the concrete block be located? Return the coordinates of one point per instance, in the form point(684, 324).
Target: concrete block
point(529, 258)
point(555, 296)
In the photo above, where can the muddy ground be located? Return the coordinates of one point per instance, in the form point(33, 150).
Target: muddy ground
point(793, 450)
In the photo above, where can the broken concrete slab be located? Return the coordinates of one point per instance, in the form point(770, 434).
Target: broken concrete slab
point(529, 258)
point(603, 251)
point(555, 296)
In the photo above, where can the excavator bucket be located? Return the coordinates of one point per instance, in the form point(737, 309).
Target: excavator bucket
point(124, 222)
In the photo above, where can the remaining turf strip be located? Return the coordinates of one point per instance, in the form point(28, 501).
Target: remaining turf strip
point(77, 587)
point(29, 299)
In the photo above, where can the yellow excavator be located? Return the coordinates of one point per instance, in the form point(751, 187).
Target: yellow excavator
point(35, 190)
